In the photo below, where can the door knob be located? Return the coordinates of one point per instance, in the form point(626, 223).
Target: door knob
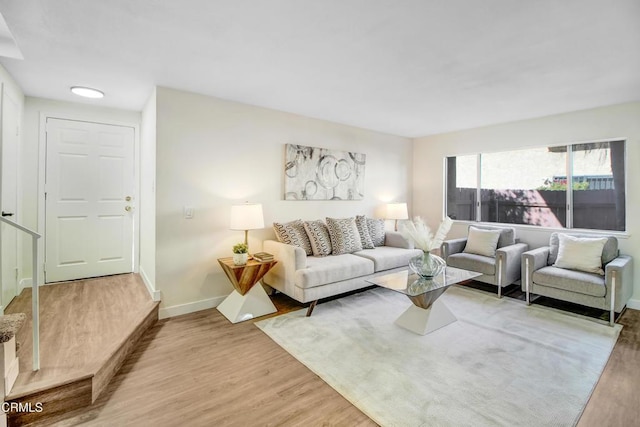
point(7, 213)
point(127, 208)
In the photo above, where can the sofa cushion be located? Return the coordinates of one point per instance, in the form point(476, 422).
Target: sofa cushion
point(507, 234)
point(344, 235)
point(376, 230)
point(363, 230)
point(571, 280)
point(481, 264)
point(580, 253)
point(482, 242)
point(323, 270)
point(388, 257)
point(292, 233)
point(609, 253)
point(318, 234)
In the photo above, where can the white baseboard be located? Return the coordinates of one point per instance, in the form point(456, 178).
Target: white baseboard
point(151, 287)
point(24, 283)
point(190, 307)
point(634, 303)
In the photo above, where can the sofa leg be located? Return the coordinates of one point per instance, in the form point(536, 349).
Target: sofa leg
point(311, 307)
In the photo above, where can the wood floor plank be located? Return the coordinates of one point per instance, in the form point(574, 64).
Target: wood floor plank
point(81, 324)
point(199, 369)
point(615, 400)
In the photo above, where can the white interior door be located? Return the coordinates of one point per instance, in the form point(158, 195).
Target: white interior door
point(9, 196)
point(89, 200)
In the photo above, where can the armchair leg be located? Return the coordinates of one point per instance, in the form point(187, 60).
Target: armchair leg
point(500, 278)
point(527, 281)
point(612, 312)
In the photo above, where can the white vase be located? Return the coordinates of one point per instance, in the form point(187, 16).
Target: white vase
point(240, 259)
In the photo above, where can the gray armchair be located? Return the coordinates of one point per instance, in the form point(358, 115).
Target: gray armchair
point(501, 270)
point(609, 292)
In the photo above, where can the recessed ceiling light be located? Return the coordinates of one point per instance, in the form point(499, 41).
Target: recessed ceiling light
point(87, 92)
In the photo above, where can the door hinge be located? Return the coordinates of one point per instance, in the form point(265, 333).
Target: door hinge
point(16, 274)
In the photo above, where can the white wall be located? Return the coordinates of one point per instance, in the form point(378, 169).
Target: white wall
point(147, 205)
point(213, 153)
point(30, 167)
point(618, 121)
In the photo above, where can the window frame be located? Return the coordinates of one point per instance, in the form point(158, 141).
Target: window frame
point(569, 190)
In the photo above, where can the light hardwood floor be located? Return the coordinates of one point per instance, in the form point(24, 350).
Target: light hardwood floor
point(201, 370)
point(87, 328)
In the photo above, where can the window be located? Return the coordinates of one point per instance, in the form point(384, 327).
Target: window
point(598, 185)
point(530, 186)
point(462, 183)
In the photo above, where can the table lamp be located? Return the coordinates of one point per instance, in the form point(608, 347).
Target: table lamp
point(397, 211)
point(247, 217)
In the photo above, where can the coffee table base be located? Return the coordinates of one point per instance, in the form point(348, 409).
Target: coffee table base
point(238, 308)
point(423, 321)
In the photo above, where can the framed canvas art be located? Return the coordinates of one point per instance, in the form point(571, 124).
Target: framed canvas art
point(312, 173)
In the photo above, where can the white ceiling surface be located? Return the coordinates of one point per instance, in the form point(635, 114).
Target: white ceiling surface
point(410, 67)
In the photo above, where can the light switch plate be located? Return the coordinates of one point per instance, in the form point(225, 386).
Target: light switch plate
point(188, 212)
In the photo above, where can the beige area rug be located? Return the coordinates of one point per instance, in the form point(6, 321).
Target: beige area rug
point(501, 364)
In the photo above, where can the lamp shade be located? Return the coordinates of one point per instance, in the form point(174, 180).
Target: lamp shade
point(247, 217)
point(397, 211)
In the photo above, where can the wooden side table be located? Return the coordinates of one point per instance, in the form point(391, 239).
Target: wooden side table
point(247, 300)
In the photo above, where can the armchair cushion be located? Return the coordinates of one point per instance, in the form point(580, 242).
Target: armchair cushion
point(507, 234)
point(609, 252)
point(580, 253)
point(482, 242)
point(571, 280)
point(481, 264)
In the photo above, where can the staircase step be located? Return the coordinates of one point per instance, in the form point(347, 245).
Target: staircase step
point(10, 324)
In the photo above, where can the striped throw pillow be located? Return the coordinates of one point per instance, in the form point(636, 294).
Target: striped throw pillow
point(292, 233)
point(318, 234)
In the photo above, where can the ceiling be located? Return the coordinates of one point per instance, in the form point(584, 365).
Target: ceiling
point(409, 67)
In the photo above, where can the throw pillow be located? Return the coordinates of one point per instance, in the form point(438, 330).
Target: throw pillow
point(292, 233)
point(376, 231)
point(318, 234)
point(580, 253)
point(344, 235)
point(482, 242)
point(363, 230)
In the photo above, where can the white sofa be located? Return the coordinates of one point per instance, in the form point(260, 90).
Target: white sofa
point(310, 278)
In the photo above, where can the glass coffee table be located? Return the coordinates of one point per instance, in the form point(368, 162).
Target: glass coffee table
point(427, 313)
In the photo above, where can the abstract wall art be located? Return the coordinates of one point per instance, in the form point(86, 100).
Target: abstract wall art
point(312, 173)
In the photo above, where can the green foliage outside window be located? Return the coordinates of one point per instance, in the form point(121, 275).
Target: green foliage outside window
point(562, 186)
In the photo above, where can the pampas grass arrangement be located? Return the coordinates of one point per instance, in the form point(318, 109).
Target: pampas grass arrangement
point(418, 232)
